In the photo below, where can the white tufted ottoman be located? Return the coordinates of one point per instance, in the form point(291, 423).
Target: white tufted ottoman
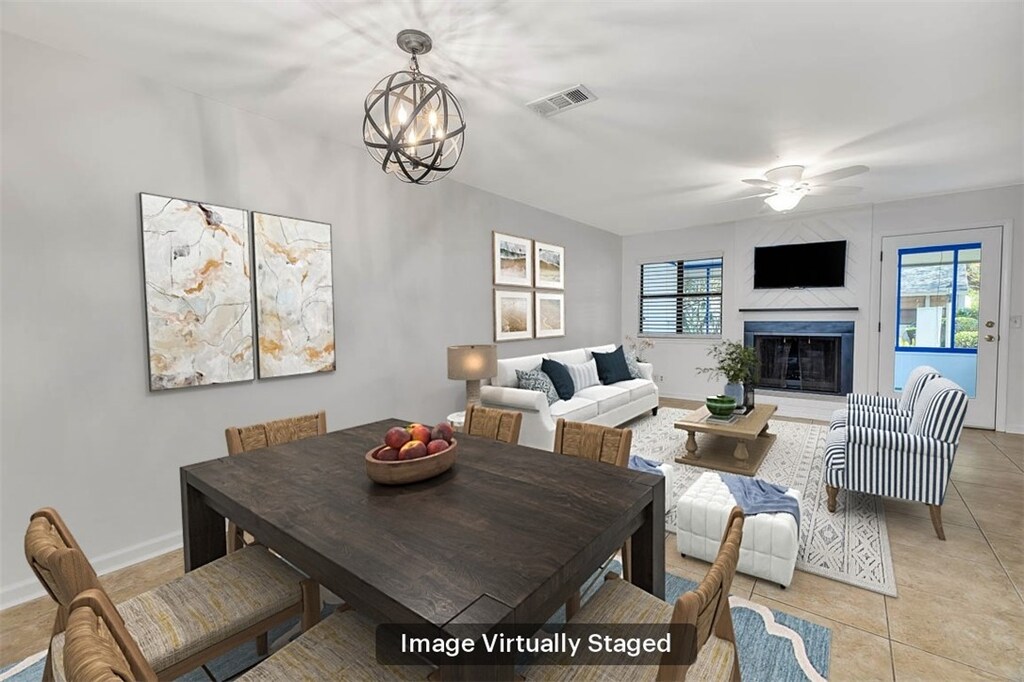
point(770, 541)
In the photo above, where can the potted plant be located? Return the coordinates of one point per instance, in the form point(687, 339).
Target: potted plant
point(638, 345)
point(735, 363)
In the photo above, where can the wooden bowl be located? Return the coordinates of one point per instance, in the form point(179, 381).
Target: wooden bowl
point(402, 471)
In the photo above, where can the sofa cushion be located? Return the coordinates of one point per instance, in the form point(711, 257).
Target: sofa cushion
point(537, 381)
point(569, 357)
point(606, 397)
point(637, 388)
point(584, 374)
point(507, 369)
point(576, 409)
point(589, 352)
point(560, 377)
point(611, 367)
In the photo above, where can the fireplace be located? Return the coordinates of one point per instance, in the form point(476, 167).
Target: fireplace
point(803, 357)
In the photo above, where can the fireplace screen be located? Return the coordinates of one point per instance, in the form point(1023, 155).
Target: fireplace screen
point(799, 363)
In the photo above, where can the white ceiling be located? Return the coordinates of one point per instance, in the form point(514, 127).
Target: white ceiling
point(692, 96)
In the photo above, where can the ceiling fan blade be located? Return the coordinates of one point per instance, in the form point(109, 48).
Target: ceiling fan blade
point(757, 182)
point(824, 190)
point(744, 197)
point(837, 174)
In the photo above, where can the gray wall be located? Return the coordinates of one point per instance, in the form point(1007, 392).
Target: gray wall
point(412, 275)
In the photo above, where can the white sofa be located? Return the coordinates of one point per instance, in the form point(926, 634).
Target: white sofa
point(610, 405)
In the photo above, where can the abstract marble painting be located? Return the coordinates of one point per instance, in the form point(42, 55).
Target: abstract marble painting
point(198, 293)
point(294, 295)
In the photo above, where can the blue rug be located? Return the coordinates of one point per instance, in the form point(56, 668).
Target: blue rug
point(773, 646)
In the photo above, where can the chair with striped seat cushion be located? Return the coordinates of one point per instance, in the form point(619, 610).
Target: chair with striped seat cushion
point(185, 623)
point(879, 404)
point(703, 613)
point(912, 463)
point(99, 647)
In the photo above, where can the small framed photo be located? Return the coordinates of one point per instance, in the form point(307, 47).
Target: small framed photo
point(550, 310)
point(513, 315)
point(549, 266)
point(513, 264)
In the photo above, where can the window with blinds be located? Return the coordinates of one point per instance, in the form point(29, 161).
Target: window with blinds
point(682, 298)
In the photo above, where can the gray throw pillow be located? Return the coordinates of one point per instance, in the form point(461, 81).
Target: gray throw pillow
point(536, 380)
point(634, 368)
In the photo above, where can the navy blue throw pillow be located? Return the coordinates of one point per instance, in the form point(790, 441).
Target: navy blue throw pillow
point(612, 367)
point(559, 375)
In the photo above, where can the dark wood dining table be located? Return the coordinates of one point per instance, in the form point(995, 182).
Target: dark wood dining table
point(503, 538)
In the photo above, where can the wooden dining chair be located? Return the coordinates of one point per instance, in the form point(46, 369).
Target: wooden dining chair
point(100, 647)
point(246, 438)
point(701, 617)
point(488, 422)
point(598, 444)
point(187, 622)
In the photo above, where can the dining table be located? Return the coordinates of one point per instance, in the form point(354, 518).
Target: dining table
point(499, 541)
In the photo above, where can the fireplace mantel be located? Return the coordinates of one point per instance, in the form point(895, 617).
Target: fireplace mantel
point(787, 309)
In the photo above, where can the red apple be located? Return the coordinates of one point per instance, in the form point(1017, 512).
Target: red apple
point(396, 437)
point(419, 432)
point(412, 450)
point(443, 431)
point(387, 455)
point(436, 446)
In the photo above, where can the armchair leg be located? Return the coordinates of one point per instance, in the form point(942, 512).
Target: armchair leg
point(832, 492)
point(936, 513)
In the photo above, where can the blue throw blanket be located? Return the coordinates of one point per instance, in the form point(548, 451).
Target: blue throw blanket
point(755, 496)
point(644, 465)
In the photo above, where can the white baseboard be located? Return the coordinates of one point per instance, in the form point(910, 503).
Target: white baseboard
point(820, 408)
point(24, 590)
point(1015, 428)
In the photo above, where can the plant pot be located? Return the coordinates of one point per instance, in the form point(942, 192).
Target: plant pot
point(734, 391)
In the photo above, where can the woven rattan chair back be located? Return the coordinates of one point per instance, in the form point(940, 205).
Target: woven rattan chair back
point(705, 609)
point(488, 422)
point(58, 562)
point(245, 438)
point(98, 646)
point(594, 442)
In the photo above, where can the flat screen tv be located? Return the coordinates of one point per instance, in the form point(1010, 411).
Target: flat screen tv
point(792, 266)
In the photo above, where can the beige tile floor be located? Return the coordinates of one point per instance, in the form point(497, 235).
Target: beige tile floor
point(959, 614)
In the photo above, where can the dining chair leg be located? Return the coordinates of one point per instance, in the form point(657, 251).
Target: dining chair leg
point(262, 645)
point(572, 606)
point(627, 563)
point(234, 537)
point(48, 667)
point(310, 604)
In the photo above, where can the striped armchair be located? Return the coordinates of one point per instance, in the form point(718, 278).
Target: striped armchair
point(902, 406)
point(906, 459)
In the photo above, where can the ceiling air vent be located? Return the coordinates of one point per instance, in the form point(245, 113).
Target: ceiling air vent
point(569, 98)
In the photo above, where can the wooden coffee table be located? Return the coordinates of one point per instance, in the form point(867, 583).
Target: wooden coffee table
point(736, 447)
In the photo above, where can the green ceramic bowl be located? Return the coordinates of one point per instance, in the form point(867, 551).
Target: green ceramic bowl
point(720, 405)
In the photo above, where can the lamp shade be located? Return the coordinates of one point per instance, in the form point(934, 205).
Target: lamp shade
point(472, 362)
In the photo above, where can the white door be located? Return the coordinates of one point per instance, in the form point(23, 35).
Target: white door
point(940, 307)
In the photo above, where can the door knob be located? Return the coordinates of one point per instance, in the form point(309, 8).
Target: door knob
point(990, 324)
point(989, 337)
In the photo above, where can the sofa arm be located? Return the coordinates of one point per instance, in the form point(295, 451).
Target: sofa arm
point(878, 419)
point(515, 398)
point(646, 370)
point(868, 400)
point(897, 442)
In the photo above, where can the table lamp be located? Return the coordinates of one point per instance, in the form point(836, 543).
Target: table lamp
point(472, 363)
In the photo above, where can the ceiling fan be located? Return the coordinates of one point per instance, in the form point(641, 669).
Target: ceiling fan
point(786, 185)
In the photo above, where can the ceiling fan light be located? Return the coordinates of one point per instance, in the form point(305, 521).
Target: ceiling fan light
point(784, 199)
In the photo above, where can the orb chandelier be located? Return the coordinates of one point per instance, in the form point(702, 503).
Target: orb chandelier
point(413, 125)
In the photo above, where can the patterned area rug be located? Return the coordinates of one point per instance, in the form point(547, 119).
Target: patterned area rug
point(773, 646)
point(851, 546)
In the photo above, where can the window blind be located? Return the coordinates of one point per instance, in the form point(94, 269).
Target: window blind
point(682, 297)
